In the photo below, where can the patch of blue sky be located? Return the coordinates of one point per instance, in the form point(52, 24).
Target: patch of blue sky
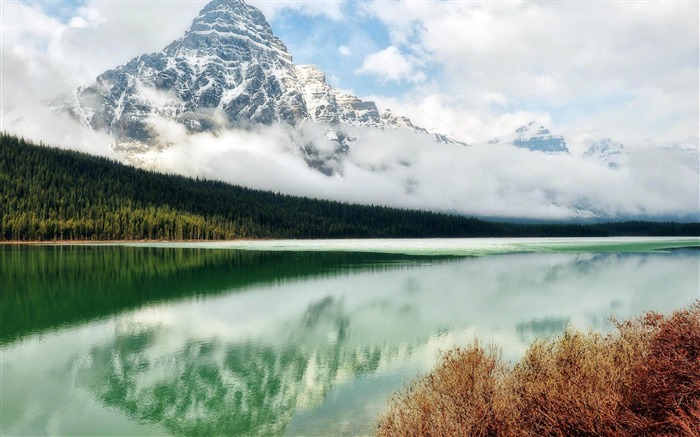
point(62, 10)
point(318, 40)
point(315, 39)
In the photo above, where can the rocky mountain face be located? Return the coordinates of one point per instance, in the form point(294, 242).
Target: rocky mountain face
point(535, 137)
point(227, 71)
point(326, 104)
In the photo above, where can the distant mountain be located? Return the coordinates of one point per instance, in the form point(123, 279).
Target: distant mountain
point(228, 71)
point(533, 136)
point(607, 152)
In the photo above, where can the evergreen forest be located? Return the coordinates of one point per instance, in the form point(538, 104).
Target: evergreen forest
point(49, 194)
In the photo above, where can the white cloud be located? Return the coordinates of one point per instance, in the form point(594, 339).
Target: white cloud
point(412, 171)
point(473, 117)
point(581, 62)
point(78, 22)
point(391, 65)
point(57, 57)
point(344, 50)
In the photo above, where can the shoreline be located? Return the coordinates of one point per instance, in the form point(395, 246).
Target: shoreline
point(78, 242)
point(247, 240)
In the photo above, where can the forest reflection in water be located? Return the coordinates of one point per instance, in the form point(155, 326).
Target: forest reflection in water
point(119, 340)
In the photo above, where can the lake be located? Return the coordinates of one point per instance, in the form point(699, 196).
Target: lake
point(291, 337)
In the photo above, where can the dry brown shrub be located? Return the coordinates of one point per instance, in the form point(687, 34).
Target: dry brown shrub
point(455, 399)
point(569, 386)
point(642, 380)
point(666, 387)
point(685, 421)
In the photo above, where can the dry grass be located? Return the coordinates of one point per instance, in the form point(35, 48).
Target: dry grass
point(642, 380)
point(456, 398)
point(666, 383)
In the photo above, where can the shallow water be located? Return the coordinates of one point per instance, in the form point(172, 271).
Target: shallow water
point(295, 338)
point(449, 246)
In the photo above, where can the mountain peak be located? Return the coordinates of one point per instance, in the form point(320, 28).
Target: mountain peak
point(224, 27)
point(229, 63)
point(227, 71)
point(605, 145)
point(606, 151)
point(532, 129)
point(217, 4)
point(531, 126)
point(534, 136)
point(229, 12)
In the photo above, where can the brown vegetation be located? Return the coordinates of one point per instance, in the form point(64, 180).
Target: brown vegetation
point(642, 380)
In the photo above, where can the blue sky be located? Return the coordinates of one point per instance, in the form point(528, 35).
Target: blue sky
point(624, 70)
point(358, 36)
point(63, 10)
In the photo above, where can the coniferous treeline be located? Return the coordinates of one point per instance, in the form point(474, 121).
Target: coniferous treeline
point(52, 194)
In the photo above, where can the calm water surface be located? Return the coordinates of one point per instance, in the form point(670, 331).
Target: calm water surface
point(290, 338)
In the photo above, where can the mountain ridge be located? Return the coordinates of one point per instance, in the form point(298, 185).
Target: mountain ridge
point(535, 137)
point(228, 71)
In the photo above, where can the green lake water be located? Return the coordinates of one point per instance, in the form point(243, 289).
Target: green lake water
point(291, 337)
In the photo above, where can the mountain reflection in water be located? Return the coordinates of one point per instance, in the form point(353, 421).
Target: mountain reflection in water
point(211, 387)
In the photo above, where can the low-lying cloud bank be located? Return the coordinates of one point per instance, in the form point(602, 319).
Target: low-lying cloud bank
point(403, 169)
point(400, 168)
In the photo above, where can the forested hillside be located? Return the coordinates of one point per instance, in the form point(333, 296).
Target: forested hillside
point(52, 194)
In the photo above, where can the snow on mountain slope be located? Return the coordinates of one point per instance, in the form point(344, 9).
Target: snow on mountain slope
point(326, 104)
point(227, 72)
point(607, 152)
point(535, 137)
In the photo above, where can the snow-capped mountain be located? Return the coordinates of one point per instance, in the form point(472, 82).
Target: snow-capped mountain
point(227, 71)
point(326, 104)
point(228, 66)
point(535, 137)
point(607, 152)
